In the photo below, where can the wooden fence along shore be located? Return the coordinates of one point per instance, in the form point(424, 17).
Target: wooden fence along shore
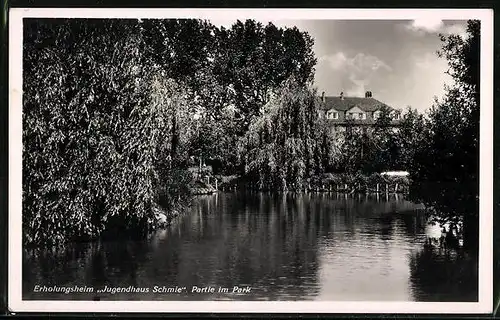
point(391, 182)
point(345, 188)
point(395, 182)
point(379, 188)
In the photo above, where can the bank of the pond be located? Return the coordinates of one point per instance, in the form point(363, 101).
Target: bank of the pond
point(160, 219)
point(329, 182)
point(202, 188)
point(345, 183)
point(163, 217)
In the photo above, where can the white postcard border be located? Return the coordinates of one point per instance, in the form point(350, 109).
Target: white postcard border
point(485, 290)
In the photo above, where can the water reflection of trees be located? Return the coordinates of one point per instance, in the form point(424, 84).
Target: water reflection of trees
point(271, 242)
point(254, 239)
point(92, 264)
point(443, 275)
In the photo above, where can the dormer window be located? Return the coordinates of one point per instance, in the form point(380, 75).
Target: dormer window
point(332, 115)
point(356, 115)
point(396, 116)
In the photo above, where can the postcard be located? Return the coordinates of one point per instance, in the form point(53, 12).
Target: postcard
point(258, 160)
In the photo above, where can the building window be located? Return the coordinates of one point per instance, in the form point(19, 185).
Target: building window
point(376, 115)
point(356, 115)
point(333, 115)
point(396, 116)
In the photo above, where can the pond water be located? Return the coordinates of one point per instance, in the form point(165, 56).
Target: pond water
point(279, 246)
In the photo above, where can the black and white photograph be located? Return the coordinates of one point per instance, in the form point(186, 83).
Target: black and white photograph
point(250, 161)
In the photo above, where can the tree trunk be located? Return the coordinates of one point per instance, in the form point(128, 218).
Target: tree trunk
point(175, 139)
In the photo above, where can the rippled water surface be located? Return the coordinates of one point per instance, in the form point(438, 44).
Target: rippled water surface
point(282, 246)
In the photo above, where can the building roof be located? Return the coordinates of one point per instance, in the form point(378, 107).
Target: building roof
point(345, 103)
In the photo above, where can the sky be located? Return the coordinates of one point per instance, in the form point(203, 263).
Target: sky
point(395, 60)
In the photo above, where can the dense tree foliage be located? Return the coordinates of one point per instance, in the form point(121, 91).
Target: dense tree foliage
point(114, 112)
point(381, 147)
point(446, 165)
point(410, 137)
point(261, 58)
point(95, 129)
point(236, 67)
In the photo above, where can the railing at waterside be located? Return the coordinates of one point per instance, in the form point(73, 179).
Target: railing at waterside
point(374, 184)
point(339, 188)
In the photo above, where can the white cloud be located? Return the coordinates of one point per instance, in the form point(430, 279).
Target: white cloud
point(432, 25)
point(359, 70)
point(335, 61)
point(363, 63)
point(427, 24)
point(360, 62)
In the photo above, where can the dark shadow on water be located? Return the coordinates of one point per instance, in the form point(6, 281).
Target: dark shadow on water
point(444, 275)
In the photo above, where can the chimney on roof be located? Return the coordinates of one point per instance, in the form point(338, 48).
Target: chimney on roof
point(368, 94)
point(342, 96)
point(323, 96)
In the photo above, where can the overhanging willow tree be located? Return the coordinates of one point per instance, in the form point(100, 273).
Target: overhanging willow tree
point(284, 147)
point(94, 130)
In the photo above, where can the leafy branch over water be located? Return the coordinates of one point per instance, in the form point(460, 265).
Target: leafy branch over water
point(283, 148)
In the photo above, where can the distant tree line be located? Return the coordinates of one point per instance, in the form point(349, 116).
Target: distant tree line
point(116, 111)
